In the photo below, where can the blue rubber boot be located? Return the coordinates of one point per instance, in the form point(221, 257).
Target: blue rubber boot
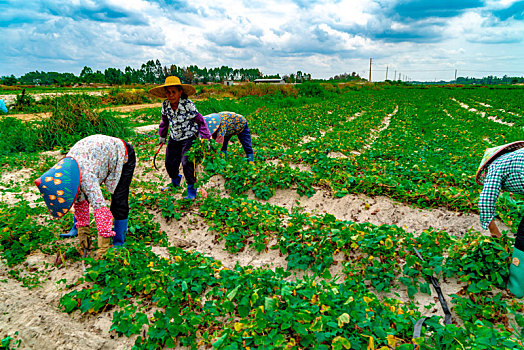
point(72, 233)
point(191, 192)
point(250, 158)
point(120, 228)
point(225, 154)
point(175, 182)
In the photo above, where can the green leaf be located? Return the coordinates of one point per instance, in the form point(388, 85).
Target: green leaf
point(220, 341)
point(340, 343)
point(269, 304)
point(343, 319)
point(412, 290)
point(424, 288)
point(233, 293)
point(170, 342)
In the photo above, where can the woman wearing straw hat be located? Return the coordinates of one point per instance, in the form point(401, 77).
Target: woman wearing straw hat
point(502, 168)
point(224, 125)
point(181, 118)
point(75, 182)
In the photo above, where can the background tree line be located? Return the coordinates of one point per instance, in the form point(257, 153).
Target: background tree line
point(490, 79)
point(151, 72)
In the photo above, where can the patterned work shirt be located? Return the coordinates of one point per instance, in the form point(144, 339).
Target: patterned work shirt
point(182, 121)
point(506, 173)
point(100, 159)
point(231, 124)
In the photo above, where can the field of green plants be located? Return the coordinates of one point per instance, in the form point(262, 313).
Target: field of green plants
point(341, 284)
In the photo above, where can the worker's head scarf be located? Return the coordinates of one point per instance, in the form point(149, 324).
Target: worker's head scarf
point(212, 121)
point(60, 186)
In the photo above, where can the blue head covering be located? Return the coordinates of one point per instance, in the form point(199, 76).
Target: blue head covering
point(3, 108)
point(212, 121)
point(60, 186)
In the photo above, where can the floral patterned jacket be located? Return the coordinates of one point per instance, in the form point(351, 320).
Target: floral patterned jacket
point(100, 159)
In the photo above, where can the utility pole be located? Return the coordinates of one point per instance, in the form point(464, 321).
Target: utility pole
point(455, 76)
point(387, 67)
point(370, 60)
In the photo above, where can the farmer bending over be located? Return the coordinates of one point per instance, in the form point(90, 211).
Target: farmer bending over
point(502, 168)
point(180, 116)
point(224, 125)
point(75, 181)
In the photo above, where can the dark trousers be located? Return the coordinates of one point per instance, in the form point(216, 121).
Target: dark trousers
point(120, 199)
point(176, 154)
point(519, 240)
point(245, 139)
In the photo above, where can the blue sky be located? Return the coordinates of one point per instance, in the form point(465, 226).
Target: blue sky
point(415, 39)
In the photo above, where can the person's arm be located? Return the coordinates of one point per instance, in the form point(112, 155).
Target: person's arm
point(488, 200)
point(220, 137)
point(103, 216)
point(221, 131)
point(203, 130)
point(164, 124)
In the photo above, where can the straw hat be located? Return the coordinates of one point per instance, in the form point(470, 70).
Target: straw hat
point(59, 186)
point(491, 154)
point(159, 91)
point(212, 121)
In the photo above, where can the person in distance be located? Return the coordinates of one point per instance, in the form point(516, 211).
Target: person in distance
point(183, 121)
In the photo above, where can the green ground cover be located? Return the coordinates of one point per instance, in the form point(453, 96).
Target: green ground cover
point(415, 145)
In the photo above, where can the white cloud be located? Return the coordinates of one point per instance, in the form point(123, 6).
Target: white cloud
point(322, 37)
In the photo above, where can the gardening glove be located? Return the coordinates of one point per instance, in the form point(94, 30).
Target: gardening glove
point(84, 239)
point(516, 273)
point(104, 243)
point(161, 140)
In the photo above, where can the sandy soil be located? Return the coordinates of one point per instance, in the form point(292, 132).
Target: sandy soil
point(10, 98)
point(38, 116)
point(40, 323)
point(484, 114)
point(35, 313)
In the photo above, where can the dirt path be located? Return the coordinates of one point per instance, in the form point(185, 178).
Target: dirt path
point(131, 108)
point(39, 116)
point(10, 98)
point(35, 315)
point(484, 114)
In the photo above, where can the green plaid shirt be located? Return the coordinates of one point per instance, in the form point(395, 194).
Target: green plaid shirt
point(506, 173)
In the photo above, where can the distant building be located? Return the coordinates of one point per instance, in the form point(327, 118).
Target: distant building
point(228, 82)
point(269, 81)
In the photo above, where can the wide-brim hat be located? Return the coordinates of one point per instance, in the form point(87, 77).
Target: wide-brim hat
point(60, 186)
point(212, 121)
point(491, 154)
point(159, 91)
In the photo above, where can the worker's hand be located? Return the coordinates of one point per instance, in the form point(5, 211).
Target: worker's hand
point(494, 230)
point(161, 140)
